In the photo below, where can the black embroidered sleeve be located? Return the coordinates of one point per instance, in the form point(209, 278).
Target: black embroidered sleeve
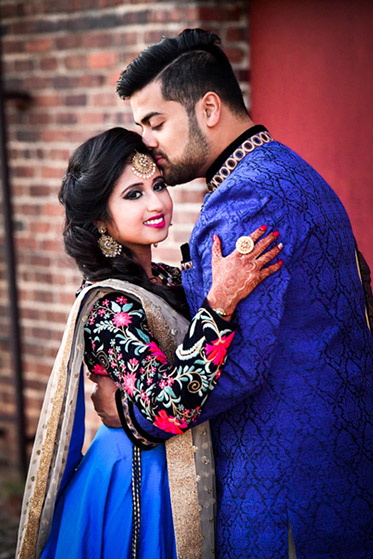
point(170, 395)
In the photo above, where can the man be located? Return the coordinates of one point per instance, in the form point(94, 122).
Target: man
point(290, 415)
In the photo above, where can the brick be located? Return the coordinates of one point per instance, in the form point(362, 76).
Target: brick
point(90, 80)
point(75, 62)
point(52, 173)
point(234, 54)
point(104, 99)
point(39, 191)
point(53, 209)
point(236, 35)
point(129, 38)
point(78, 100)
point(48, 63)
point(69, 41)
point(39, 45)
point(66, 118)
point(102, 60)
point(24, 65)
point(48, 100)
point(97, 40)
point(91, 118)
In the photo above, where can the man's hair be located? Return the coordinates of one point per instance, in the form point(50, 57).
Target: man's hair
point(188, 66)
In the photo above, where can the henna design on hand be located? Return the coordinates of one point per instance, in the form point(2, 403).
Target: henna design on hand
point(235, 276)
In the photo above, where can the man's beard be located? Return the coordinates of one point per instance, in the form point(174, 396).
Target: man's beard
point(194, 157)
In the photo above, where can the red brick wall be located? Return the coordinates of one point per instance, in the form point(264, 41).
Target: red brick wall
point(67, 55)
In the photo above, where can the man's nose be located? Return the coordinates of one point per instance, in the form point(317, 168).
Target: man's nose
point(149, 139)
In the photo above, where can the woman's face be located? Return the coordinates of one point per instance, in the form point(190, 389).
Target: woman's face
point(140, 210)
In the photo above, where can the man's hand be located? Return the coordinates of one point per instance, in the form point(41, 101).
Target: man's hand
point(103, 398)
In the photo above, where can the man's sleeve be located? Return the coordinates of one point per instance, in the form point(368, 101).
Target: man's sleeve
point(259, 315)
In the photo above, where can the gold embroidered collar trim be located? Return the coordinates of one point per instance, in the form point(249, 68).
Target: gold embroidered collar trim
point(233, 160)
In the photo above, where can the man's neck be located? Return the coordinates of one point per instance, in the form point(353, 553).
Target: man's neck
point(229, 129)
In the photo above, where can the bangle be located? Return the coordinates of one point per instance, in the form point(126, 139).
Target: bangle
point(222, 313)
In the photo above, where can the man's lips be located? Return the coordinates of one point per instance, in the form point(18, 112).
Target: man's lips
point(159, 159)
point(158, 221)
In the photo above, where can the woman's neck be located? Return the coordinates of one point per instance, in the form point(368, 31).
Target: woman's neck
point(144, 258)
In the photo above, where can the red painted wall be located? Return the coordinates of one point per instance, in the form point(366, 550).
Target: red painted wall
point(312, 86)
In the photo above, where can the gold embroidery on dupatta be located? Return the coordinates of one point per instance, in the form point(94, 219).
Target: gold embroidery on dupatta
point(41, 476)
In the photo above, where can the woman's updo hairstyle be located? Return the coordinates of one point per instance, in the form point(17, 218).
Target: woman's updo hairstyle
point(91, 175)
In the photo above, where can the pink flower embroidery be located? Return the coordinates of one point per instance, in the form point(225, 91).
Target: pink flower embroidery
point(170, 381)
point(122, 319)
point(133, 362)
point(106, 302)
point(169, 423)
point(101, 312)
point(121, 300)
point(163, 384)
point(144, 397)
point(129, 383)
point(157, 353)
point(216, 351)
point(99, 370)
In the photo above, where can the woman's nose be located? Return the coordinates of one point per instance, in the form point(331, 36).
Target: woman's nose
point(155, 204)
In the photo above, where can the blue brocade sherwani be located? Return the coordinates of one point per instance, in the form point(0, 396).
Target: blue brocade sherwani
point(291, 414)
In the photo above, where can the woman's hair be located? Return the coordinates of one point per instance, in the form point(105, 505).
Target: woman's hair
point(91, 175)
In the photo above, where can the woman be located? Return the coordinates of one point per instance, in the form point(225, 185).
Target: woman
point(117, 502)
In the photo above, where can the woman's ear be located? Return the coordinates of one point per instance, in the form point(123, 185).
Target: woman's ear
point(209, 108)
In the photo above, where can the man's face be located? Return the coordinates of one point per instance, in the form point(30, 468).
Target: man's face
point(176, 140)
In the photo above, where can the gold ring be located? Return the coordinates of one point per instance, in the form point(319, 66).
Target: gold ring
point(244, 245)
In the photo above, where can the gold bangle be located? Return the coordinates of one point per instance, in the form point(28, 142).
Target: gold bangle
point(222, 313)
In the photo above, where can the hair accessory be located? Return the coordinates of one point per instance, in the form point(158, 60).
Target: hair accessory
point(143, 165)
point(108, 245)
point(245, 245)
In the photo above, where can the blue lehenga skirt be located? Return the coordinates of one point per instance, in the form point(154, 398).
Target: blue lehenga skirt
point(93, 515)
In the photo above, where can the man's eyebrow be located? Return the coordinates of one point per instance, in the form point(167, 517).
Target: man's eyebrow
point(147, 117)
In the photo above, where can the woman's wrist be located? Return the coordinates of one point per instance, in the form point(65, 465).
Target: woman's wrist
point(220, 307)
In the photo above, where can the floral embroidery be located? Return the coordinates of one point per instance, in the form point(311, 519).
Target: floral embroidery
point(99, 370)
point(170, 395)
point(129, 383)
point(169, 424)
point(122, 319)
point(156, 351)
point(217, 351)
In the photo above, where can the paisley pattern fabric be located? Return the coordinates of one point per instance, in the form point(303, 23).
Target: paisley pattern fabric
point(291, 416)
point(119, 343)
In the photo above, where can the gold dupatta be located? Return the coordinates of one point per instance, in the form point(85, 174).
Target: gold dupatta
point(189, 456)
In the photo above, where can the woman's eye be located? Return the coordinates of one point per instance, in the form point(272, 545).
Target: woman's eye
point(159, 186)
point(133, 195)
point(157, 126)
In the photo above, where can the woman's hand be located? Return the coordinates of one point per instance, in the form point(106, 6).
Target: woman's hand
point(236, 275)
point(103, 398)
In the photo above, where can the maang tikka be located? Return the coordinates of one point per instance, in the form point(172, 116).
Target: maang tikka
point(108, 245)
point(143, 165)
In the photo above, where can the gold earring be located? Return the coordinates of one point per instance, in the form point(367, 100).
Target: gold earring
point(108, 245)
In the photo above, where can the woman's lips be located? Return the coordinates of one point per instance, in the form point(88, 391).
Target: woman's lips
point(157, 221)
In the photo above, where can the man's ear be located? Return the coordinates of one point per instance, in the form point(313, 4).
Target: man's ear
point(209, 108)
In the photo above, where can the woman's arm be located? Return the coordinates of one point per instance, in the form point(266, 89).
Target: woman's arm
point(170, 395)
